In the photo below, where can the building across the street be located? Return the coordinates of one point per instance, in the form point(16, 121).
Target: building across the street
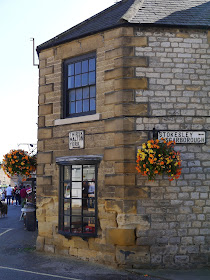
point(137, 70)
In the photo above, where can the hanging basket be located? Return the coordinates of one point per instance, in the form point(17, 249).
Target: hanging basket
point(19, 163)
point(158, 157)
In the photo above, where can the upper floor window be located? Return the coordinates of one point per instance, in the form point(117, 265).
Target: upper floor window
point(80, 86)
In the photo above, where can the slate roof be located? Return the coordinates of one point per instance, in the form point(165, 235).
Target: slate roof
point(179, 13)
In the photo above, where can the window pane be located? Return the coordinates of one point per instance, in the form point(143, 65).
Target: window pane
point(92, 91)
point(72, 95)
point(66, 223)
point(76, 189)
point(66, 207)
point(71, 82)
point(85, 66)
point(92, 78)
point(89, 225)
point(78, 81)
point(78, 68)
point(88, 172)
point(72, 107)
point(86, 105)
point(76, 224)
point(67, 190)
point(84, 79)
point(92, 64)
point(85, 92)
point(92, 104)
point(79, 94)
point(78, 106)
point(70, 69)
point(76, 207)
point(76, 173)
point(66, 173)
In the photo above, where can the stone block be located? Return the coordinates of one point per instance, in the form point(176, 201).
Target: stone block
point(140, 193)
point(114, 206)
point(130, 41)
point(131, 221)
point(133, 255)
point(119, 97)
point(45, 229)
point(46, 54)
point(122, 237)
point(119, 73)
point(120, 180)
point(125, 167)
point(44, 158)
point(118, 32)
point(45, 71)
point(119, 154)
point(131, 109)
point(49, 249)
point(40, 243)
point(45, 88)
point(119, 124)
point(41, 122)
point(45, 109)
point(104, 224)
point(123, 51)
point(131, 61)
point(130, 83)
point(208, 37)
point(44, 133)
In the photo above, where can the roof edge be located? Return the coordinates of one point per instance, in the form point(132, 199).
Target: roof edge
point(134, 8)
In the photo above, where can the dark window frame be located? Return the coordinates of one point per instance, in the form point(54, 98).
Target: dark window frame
point(66, 90)
point(61, 202)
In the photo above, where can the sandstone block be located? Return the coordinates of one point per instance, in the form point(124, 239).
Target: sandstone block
point(119, 97)
point(45, 229)
point(44, 158)
point(119, 180)
point(123, 51)
point(46, 54)
point(132, 221)
point(133, 255)
point(46, 71)
point(45, 88)
point(41, 122)
point(208, 37)
point(130, 41)
point(49, 249)
point(130, 83)
point(45, 109)
point(131, 109)
point(40, 243)
point(44, 133)
point(119, 73)
point(119, 154)
point(125, 167)
point(119, 124)
point(122, 237)
point(131, 61)
point(117, 32)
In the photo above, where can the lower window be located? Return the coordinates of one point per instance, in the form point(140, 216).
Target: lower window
point(77, 215)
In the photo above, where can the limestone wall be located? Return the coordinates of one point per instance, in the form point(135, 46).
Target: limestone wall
point(145, 79)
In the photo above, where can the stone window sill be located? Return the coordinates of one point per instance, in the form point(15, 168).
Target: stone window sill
point(88, 118)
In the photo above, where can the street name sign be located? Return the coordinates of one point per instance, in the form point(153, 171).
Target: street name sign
point(76, 140)
point(183, 137)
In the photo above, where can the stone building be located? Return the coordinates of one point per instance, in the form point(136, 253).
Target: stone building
point(104, 86)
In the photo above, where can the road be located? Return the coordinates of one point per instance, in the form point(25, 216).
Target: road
point(19, 259)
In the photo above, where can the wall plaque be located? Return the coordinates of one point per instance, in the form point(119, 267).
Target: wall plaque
point(76, 139)
point(184, 137)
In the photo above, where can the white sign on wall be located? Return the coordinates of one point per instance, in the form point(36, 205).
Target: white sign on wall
point(183, 137)
point(76, 140)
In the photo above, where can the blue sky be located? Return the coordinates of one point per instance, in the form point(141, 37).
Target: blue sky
point(21, 20)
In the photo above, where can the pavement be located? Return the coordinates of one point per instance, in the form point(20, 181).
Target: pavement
point(19, 260)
